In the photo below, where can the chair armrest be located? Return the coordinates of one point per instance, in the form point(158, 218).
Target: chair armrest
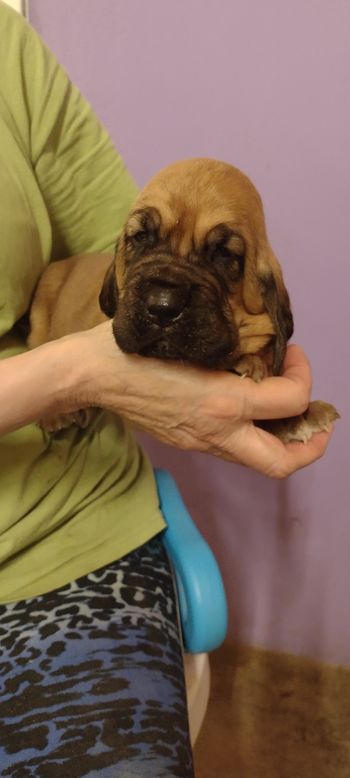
point(202, 599)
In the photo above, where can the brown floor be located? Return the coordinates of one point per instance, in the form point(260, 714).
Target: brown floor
point(274, 716)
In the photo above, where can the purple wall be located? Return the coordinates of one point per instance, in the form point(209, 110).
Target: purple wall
point(266, 87)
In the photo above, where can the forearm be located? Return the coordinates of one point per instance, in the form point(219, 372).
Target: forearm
point(77, 371)
point(182, 406)
point(47, 380)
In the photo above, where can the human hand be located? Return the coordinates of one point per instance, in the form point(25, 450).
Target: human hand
point(200, 410)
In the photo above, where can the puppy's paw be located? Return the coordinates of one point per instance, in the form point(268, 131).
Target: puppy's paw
point(57, 423)
point(317, 418)
point(251, 366)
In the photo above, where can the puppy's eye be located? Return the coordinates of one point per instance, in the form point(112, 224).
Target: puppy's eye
point(140, 236)
point(228, 256)
point(142, 240)
point(142, 231)
point(222, 252)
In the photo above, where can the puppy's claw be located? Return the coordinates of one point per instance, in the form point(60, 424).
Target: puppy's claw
point(251, 366)
point(79, 418)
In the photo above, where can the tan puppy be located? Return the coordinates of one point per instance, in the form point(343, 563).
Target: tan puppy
point(194, 279)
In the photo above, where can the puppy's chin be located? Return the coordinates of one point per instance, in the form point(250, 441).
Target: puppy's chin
point(162, 349)
point(173, 344)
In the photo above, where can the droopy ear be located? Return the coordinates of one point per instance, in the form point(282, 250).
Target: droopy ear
point(264, 290)
point(109, 293)
point(253, 295)
point(277, 305)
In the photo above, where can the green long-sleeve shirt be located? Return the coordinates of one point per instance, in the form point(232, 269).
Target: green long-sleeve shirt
point(72, 503)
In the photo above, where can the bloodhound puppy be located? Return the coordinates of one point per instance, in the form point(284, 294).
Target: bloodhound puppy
point(194, 279)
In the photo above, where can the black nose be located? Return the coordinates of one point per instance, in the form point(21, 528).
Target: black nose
point(165, 301)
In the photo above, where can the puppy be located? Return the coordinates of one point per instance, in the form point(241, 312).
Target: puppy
point(194, 279)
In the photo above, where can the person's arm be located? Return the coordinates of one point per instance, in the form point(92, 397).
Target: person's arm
point(36, 383)
point(183, 406)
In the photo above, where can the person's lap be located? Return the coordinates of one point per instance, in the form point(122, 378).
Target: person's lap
point(92, 677)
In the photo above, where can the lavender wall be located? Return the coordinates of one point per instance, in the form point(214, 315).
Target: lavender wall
point(266, 87)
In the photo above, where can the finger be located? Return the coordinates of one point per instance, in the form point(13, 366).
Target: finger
point(267, 454)
point(283, 396)
point(299, 455)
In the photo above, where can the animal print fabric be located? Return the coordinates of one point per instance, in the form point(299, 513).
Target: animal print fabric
point(91, 677)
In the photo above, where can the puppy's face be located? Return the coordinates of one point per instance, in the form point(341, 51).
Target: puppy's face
point(194, 277)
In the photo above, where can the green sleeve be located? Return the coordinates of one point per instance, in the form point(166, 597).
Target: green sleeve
point(85, 186)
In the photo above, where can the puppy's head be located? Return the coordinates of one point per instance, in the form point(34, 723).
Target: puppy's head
point(195, 278)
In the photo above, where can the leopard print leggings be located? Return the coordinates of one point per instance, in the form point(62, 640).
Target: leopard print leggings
point(91, 677)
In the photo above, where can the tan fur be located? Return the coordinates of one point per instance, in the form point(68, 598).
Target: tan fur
point(192, 197)
point(189, 200)
point(66, 298)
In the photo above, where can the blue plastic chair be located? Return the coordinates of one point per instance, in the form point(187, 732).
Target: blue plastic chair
point(201, 594)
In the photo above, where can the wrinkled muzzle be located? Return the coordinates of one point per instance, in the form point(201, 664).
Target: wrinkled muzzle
point(173, 313)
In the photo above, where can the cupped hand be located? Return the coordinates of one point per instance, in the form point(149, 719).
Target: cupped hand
point(201, 410)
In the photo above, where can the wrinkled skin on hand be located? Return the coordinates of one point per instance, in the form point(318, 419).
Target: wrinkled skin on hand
point(196, 409)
